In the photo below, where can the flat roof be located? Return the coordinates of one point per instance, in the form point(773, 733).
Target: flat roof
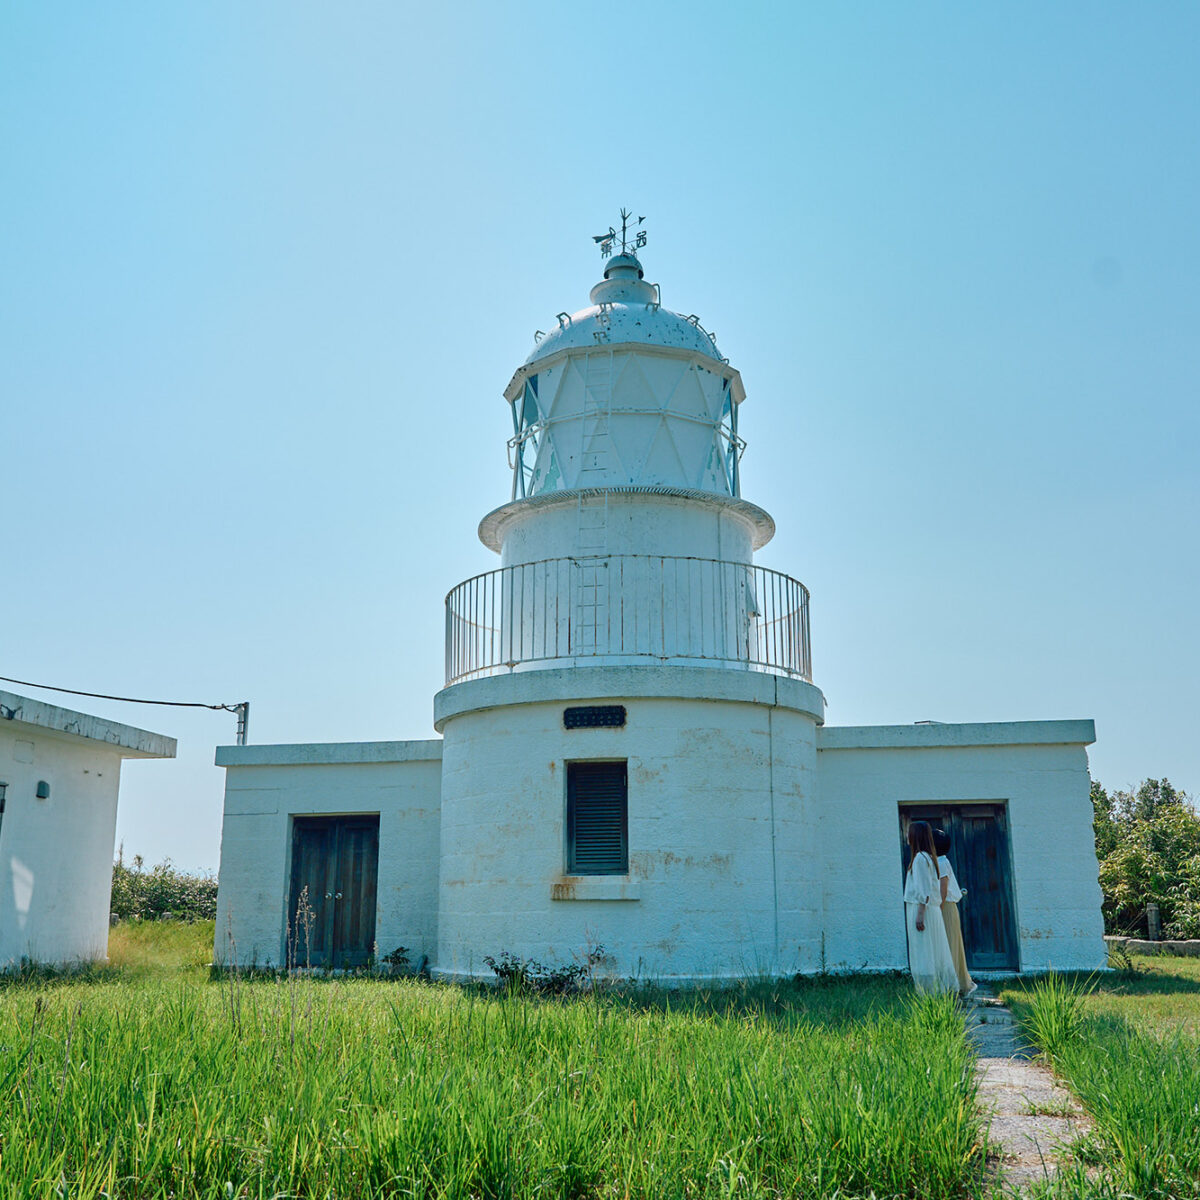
point(314, 754)
point(66, 722)
point(935, 733)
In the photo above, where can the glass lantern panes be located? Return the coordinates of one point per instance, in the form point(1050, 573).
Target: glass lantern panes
point(527, 435)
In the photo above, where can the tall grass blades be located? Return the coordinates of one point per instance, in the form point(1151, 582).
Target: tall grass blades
point(1141, 1090)
point(1143, 1093)
point(145, 1087)
point(155, 945)
point(1055, 1013)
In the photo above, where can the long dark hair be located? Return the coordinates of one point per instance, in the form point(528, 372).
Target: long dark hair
point(920, 841)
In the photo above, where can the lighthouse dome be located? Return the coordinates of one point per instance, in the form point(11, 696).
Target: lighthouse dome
point(625, 394)
point(625, 309)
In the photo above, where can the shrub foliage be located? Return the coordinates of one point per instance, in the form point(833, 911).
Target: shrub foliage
point(528, 975)
point(141, 895)
point(1148, 844)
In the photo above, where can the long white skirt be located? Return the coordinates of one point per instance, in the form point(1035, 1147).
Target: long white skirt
point(929, 957)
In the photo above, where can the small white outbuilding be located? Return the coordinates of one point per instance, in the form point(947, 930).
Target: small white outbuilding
point(60, 772)
point(634, 754)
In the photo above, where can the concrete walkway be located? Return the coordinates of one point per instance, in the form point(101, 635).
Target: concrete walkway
point(1033, 1118)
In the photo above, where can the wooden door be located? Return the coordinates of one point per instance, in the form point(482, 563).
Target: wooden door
point(335, 869)
point(308, 934)
point(980, 857)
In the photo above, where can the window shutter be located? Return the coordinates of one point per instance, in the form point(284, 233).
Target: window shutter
point(597, 819)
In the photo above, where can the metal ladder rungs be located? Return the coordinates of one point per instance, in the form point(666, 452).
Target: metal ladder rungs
point(591, 537)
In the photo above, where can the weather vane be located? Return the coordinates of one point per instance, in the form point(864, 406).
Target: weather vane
point(632, 236)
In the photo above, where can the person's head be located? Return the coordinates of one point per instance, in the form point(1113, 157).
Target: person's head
point(920, 840)
point(941, 841)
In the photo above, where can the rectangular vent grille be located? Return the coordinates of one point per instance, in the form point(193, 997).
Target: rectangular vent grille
point(597, 819)
point(594, 716)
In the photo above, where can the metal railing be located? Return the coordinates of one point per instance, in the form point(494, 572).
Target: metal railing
point(627, 608)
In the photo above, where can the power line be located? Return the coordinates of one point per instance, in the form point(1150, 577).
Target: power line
point(242, 709)
point(45, 687)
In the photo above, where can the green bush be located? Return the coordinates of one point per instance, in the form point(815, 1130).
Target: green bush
point(1148, 844)
point(528, 975)
point(141, 895)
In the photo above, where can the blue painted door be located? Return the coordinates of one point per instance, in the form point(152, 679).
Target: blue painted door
point(979, 854)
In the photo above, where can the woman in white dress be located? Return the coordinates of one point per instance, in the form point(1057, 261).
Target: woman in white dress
point(928, 950)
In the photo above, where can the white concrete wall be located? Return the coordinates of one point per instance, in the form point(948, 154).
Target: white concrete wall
point(721, 804)
point(635, 524)
point(758, 841)
point(56, 855)
point(662, 595)
point(1038, 769)
point(266, 786)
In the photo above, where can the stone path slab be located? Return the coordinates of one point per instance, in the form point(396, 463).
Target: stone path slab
point(1033, 1118)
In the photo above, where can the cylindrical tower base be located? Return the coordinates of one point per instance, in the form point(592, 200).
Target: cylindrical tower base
point(716, 878)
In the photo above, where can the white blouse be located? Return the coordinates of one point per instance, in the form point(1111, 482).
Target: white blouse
point(921, 885)
point(954, 893)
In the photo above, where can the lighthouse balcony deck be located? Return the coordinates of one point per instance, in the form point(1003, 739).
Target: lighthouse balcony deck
point(626, 609)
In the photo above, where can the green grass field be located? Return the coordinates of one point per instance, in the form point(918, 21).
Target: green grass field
point(1161, 995)
point(1128, 1044)
point(149, 1079)
point(161, 946)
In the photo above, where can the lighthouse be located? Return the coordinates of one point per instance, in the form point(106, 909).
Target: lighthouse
point(629, 719)
point(634, 768)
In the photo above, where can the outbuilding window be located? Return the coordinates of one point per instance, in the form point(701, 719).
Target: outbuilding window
point(597, 818)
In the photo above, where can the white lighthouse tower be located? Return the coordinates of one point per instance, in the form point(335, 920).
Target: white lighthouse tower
point(629, 720)
point(633, 754)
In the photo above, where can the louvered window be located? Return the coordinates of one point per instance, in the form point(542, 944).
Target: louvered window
point(595, 716)
point(597, 818)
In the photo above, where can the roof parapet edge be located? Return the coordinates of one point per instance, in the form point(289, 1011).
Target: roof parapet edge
point(315, 754)
point(67, 722)
point(1077, 732)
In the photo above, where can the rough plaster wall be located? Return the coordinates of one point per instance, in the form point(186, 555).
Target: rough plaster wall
point(659, 525)
point(56, 854)
point(256, 850)
point(1050, 830)
point(702, 860)
point(795, 787)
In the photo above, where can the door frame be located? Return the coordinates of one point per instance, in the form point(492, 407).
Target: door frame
point(904, 810)
point(290, 863)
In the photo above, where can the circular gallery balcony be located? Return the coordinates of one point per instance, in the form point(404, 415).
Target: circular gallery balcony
point(625, 609)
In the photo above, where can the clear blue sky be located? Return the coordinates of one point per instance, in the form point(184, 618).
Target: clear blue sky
point(265, 269)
